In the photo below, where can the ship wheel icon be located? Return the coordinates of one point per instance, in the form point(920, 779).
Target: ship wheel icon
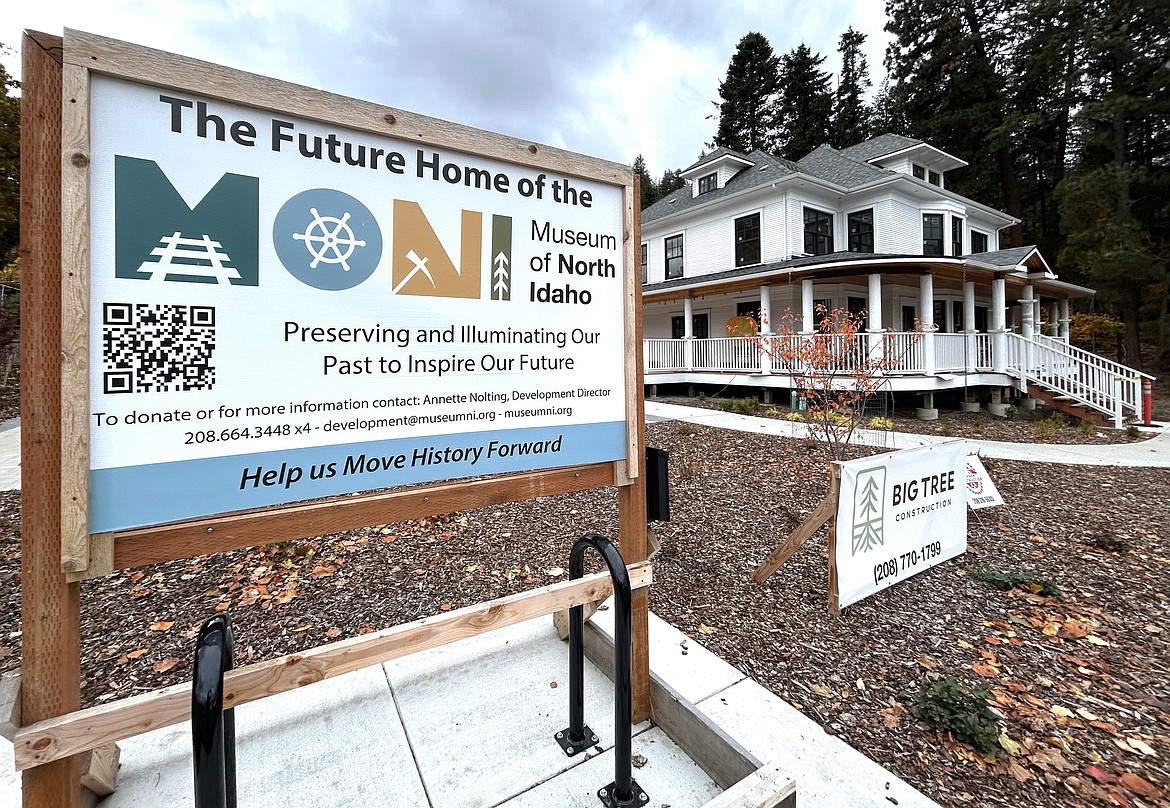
point(325, 241)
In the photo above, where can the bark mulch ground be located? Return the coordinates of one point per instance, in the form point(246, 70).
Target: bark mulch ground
point(1070, 656)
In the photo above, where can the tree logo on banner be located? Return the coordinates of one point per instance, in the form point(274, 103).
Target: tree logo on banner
point(158, 236)
point(869, 496)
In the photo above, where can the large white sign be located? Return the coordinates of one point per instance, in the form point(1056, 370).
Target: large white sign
point(282, 310)
point(899, 514)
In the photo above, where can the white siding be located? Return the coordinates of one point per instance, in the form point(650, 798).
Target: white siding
point(709, 248)
point(903, 232)
point(773, 232)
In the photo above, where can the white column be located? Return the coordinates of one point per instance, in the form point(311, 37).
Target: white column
point(874, 306)
point(998, 325)
point(969, 324)
point(1065, 321)
point(1028, 313)
point(925, 313)
point(688, 332)
point(765, 329)
point(807, 314)
point(1053, 319)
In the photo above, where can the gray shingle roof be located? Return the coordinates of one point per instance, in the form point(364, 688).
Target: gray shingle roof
point(836, 167)
point(1004, 258)
point(764, 170)
point(879, 146)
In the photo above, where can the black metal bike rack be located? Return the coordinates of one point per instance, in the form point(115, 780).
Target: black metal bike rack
point(213, 729)
point(624, 791)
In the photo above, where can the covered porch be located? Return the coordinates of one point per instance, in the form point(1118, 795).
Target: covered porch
point(996, 320)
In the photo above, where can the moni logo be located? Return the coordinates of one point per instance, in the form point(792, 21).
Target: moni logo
point(869, 496)
point(158, 236)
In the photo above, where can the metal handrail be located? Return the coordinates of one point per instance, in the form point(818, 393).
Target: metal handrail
point(213, 729)
point(624, 790)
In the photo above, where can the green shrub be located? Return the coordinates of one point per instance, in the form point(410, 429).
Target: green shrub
point(743, 406)
point(1003, 581)
point(1132, 431)
point(1087, 429)
point(961, 711)
point(878, 422)
point(794, 416)
point(1048, 428)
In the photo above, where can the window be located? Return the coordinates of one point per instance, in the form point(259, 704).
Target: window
point(861, 231)
point(747, 240)
point(957, 313)
point(940, 315)
point(748, 308)
point(708, 183)
point(821, 309)
point(674, 256)
point(981, 319)
point(935, 178)
point(856, 305)
point(956, 235)
point(919, 172)
point(818, 232)
point(645, 255)
point(978, 242)
point(698, 326)
point(932, 234)
point(909, 315)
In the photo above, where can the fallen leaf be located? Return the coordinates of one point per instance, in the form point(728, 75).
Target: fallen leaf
point(705, 629)
point(138, 653)
point(1105, 726)
point(323, 570)
point(1095, 640)
point(446, 607)
point(305, 627)
point(1100, 775)
point(1139, 786)
point(1019, 772)
point(333, 632)
point(162, 625)
point(1142, 746)
point(985, 670)
point(164, 665)
point(1009, 746)
point(927, 663)
point(892, 715)
point(554, 572)
point(821, 690)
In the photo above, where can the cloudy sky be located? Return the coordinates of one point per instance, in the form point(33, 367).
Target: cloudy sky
point(608, 78)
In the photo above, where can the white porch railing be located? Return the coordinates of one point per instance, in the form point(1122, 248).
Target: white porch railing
point(1106, 386)
point(1094, 381)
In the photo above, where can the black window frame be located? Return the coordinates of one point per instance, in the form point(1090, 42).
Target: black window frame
point(677, 270)
point(977, 236)
point(909, 315)
point(822, 308)
point(958, 312)
point(708, 183)
point(747, 240)
point(919, 171)
point(645, 262)
point(932, 245)
point(819, 240)
point(938, 314)
point(700, 326)
point(934, 178)
point(956, 235)
point(860, 239)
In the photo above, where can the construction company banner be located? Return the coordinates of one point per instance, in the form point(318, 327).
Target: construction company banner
point(981, 490)
point(282, 310)
point(899, 514)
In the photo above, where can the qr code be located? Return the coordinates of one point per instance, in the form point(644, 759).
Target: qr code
point(157, 348)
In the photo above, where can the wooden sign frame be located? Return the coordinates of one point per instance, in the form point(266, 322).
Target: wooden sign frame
point(58, 549)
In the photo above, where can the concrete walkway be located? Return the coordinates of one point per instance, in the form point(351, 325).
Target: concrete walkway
point(1152, 453)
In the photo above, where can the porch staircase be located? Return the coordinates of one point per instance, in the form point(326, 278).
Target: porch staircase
point(1076, 381)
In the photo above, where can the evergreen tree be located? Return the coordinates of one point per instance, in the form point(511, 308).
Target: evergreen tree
point(671, 181)
point(746, 111)
point(9, 167)
point(851, 117)
point(646, 182)
point(1113, 206)
point(943, 62)
point(805, 109)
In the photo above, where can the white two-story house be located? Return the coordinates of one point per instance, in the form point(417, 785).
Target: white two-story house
point(872, 229)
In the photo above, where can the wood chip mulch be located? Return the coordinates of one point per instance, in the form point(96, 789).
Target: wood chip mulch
point(1079, 684)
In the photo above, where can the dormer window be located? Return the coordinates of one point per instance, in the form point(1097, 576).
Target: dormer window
point(935, 178)
point(708, 183)
point(919, 172)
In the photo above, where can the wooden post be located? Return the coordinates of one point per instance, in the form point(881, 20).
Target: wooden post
point(632, 534)
point(834, 495)
point(50, 605)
